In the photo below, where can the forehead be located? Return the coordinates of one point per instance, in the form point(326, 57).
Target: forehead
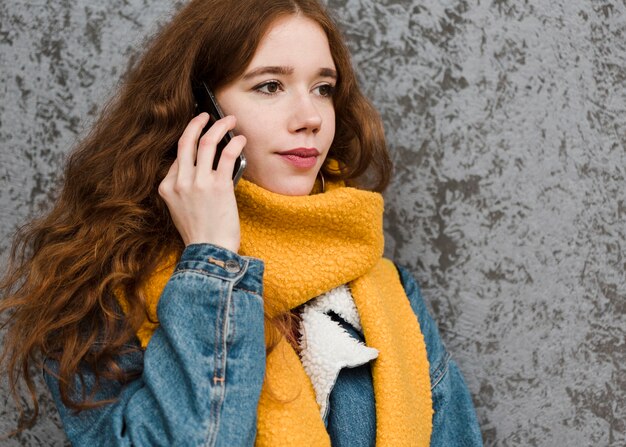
point(296, 41)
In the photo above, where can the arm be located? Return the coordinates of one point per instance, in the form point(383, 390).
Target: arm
point(202, 370)
point(454, 421)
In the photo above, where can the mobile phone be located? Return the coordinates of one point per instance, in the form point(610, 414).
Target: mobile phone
point(207, 103)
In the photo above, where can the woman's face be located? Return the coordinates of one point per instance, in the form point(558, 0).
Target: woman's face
point(284, 107)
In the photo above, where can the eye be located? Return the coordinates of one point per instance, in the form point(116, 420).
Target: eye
point(268, 88)
point(326, 90)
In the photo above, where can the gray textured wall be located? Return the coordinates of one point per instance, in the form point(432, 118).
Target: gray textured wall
point(507, 123)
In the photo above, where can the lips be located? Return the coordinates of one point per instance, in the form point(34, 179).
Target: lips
point(300, 157)
point(301, 152)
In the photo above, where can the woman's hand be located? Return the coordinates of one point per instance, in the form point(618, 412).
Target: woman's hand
point(202, 201)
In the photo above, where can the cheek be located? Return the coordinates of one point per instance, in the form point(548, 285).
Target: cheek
point(330, 126)
point(331, 120)
point(253, 127)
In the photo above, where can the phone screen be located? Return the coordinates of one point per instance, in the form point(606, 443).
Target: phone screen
point(207, 103)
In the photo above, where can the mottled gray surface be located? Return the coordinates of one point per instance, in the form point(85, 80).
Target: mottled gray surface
point(507, 123)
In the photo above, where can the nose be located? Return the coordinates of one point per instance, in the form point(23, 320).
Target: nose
point(305, 116)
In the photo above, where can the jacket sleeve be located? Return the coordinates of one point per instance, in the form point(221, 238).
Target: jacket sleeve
point(454, 419)
point(202, 370)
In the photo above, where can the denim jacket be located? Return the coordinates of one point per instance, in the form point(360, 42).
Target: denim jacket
point(201, 373)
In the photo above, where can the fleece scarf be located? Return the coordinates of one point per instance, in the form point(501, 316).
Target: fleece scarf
point(310, 245)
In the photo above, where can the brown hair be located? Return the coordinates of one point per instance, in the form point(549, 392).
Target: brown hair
point(58, 299)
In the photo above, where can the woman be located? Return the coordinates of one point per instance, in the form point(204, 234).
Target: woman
point(173, 308)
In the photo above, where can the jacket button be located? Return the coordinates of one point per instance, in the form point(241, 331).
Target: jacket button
point(232, 266)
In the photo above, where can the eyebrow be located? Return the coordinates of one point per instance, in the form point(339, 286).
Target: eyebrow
point(286, 71)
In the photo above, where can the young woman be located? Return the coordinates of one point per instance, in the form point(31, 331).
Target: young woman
point(170, 307)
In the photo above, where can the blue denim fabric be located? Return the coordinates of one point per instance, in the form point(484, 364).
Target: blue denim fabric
point(203, 369)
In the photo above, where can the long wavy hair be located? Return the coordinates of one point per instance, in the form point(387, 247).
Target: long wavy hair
point(108, 228)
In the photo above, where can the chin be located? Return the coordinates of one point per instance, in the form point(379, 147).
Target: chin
point(288, 187)
point(300, 187)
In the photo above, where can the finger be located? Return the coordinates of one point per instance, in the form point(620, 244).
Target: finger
point(188, 143)
point(169, 179)
point(173, 170)
point(207, 147)
point(229, 157)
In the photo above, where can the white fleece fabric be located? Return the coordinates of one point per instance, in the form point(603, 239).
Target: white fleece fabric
point(325, 346)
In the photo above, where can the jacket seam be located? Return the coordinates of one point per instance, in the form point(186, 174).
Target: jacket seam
point(204, 273)
point(213, 275)
point(250, 291)
point(440, 371)
point(218, 381)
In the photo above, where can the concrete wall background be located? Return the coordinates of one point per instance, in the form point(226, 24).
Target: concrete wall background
point(507, 124)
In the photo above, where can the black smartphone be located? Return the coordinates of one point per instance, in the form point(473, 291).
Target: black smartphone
point(207, 103)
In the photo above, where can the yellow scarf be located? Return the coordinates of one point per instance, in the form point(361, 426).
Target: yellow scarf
point(311, 244)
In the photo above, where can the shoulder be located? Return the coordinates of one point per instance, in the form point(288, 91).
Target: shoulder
point(414, 294)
